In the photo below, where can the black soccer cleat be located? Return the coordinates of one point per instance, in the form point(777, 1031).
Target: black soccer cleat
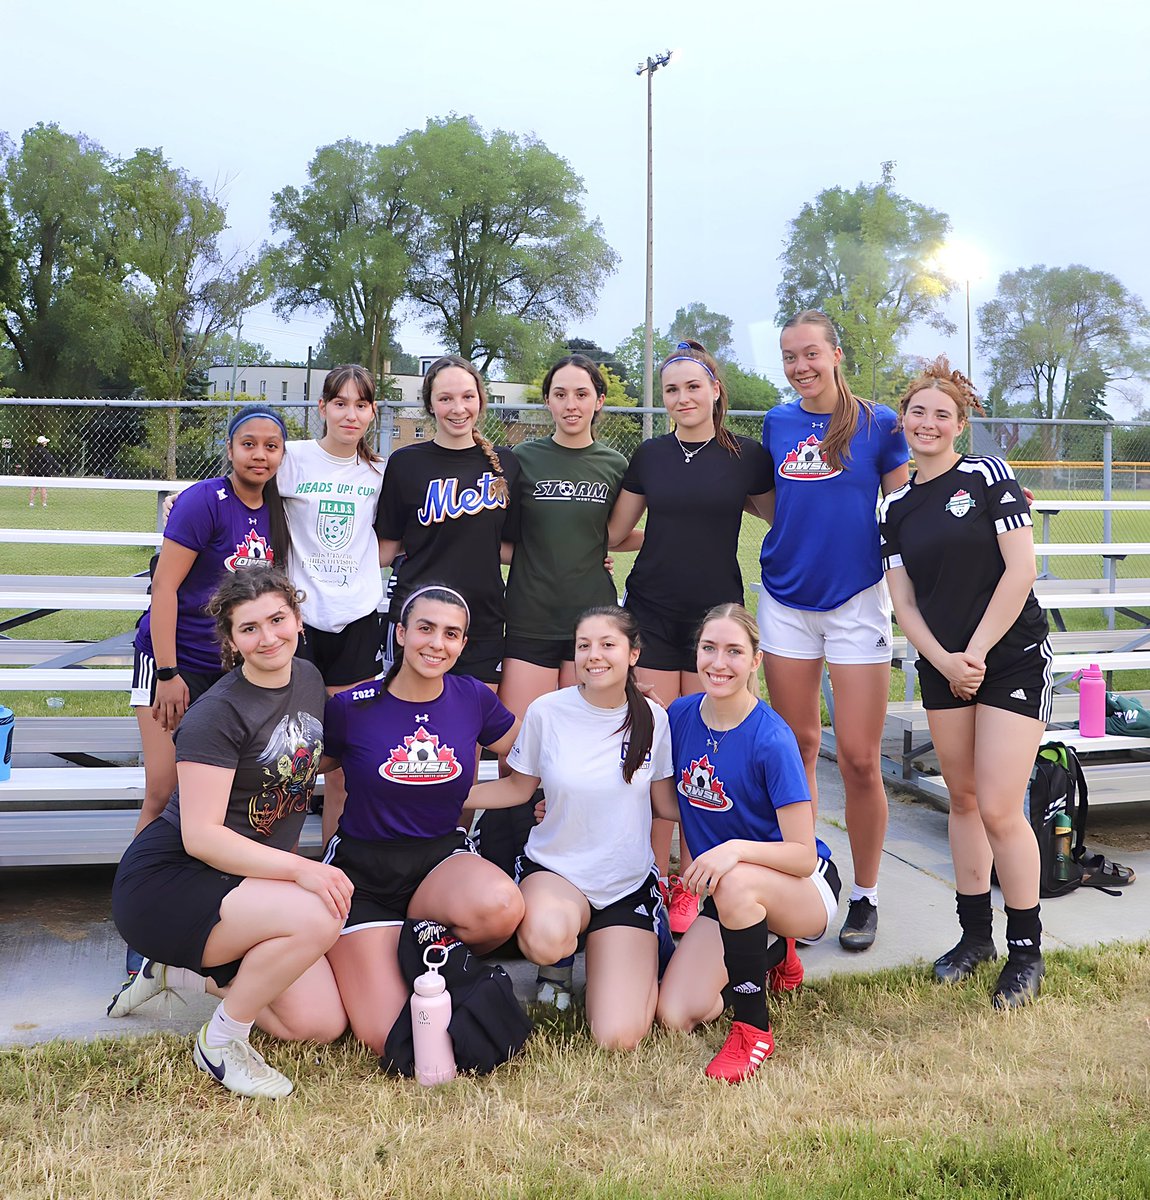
point(1019, 982)
point(960, 962)
point(859, 929)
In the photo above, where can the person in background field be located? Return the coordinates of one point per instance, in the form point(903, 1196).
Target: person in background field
point(330, 489)
point(408, 749)
point(450, 504)
point(567, 485)
point(823, 596)
point(602, 752)
point(210, 891)
point(959, 557)
point(762, 875)
point(42, 462)
point(694, 484)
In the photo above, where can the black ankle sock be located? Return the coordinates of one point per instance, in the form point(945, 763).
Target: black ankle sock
point(974, 916)
point(1023, 932)
point(745, 957)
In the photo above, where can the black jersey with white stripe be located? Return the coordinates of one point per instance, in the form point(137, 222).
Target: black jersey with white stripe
point(945, 532)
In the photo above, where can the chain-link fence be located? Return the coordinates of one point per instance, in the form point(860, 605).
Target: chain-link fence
point(156, 440)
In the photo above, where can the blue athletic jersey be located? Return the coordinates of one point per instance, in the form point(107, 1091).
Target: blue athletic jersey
point(734, 792)
point(822, 548)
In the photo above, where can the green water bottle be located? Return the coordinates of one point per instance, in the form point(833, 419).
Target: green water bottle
point(1062, 847)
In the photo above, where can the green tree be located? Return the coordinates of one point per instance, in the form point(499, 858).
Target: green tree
point(350, 235)
point(505, 253)
point(712, 329)
point(630, 354)
point(746, 390)
point(1047, 325)
point(63, 315)
point(222, 349)
point(867, 259)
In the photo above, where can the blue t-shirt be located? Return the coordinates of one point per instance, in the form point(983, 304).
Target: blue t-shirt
point(822, 548)
point(227, 536)
point(409, 766)
point(734, 792)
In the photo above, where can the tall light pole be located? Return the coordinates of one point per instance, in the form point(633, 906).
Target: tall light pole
point(960, 260)
point(649, 68)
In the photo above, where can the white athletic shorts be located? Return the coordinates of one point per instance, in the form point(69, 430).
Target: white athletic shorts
point(858, 631)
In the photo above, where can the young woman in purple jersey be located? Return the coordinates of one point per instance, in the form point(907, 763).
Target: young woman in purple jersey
point(220, 527)
point(694, 484)
point(211, 890)
point(959, 556)
point(760, 875)
point(407, 745)
point(823, 596)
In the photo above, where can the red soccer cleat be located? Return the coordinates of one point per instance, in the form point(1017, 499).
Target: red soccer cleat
point(742, 1053)
point(788, 975)
point(683, 906)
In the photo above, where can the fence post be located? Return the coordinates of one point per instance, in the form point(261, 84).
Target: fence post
point(1107, 515)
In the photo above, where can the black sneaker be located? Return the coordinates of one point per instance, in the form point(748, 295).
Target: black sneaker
point(1019, 983)
point(860, 926)
point(960, 961)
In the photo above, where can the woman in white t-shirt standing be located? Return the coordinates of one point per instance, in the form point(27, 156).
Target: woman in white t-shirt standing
point(330, 489)
point(602, 753)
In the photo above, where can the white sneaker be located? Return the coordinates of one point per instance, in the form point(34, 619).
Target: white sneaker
point(149, 981)
point(240, 1068)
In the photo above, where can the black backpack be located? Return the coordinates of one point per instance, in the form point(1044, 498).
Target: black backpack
point(1058, 785)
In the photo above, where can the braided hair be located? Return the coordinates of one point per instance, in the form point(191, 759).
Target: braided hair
point(499, 488)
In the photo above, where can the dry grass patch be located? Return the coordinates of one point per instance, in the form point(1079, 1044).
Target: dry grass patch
point(885, 1085)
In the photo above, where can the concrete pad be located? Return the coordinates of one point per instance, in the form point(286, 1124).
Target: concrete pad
point(61, 959)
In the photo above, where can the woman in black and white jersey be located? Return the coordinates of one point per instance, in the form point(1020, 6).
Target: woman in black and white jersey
point(959, 558)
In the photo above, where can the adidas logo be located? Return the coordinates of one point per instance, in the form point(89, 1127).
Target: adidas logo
point(881, 643)
point(747, 989)
point(1007, 498)
point(641, 909)
point(1018, 694)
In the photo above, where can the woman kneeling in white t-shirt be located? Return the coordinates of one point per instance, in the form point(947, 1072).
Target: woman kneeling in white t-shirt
point(602, 753)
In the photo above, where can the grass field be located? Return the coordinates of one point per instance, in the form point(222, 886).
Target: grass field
point(75, 509)
point(882, 1086)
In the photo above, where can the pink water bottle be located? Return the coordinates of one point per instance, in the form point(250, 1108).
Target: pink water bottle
point(1091, 702)
point(430, 1014)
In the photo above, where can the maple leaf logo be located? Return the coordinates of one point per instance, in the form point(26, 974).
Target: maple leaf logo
point(701, 789)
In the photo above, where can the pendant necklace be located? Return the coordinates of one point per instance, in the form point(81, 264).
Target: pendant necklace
point(690, 454)
point(713, 740)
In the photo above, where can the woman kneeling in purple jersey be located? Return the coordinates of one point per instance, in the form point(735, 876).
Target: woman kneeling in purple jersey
point(407, 746)
point(761, 874)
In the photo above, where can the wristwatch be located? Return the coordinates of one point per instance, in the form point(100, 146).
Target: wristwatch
point(165, 674)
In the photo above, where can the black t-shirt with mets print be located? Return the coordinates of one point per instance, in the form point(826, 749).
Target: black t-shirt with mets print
point(945, 532)
point(441, 505)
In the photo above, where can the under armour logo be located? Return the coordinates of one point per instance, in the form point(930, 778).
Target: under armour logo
point(422, 718)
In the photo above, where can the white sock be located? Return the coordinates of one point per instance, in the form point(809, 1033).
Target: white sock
point(182, 979)
point(222, 1029)
point(861, 893)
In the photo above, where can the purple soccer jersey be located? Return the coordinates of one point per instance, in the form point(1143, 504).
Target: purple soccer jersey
point(409, 766)
point(226, 536)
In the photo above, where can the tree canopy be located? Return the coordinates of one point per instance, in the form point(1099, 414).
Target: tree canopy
point(867, 258)
point(1060, 336)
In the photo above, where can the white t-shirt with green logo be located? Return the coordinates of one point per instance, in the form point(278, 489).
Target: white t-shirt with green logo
point(330, 504)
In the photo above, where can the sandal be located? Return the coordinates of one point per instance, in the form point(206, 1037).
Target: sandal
point(1100, 872)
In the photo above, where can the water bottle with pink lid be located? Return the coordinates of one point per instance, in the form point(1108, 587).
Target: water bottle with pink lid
point(1091, 702)
point(430, 1016)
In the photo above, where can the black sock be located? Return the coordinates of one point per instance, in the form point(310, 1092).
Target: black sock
point(1023, 932)
point(974, 915)
point(745, 957)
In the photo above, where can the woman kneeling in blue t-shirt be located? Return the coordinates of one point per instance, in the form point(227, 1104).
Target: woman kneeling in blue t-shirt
point(761, 874)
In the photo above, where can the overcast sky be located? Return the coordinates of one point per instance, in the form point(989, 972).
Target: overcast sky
point(1026, 122)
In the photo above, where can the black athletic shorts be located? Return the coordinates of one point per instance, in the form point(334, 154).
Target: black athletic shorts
point(350, 656)
point(540, 652)
point(826, 879)
point(387, 874)
point(1023, 685)
point(668, 642)
point(637, 910)
point(144, 680)
point(482, 659)
point(166, 903)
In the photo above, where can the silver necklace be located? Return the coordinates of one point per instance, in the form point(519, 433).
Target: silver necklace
point(715, 740)
point(689, 454)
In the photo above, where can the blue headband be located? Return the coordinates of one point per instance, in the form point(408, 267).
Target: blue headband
point(253, 412)
point(688, 358)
